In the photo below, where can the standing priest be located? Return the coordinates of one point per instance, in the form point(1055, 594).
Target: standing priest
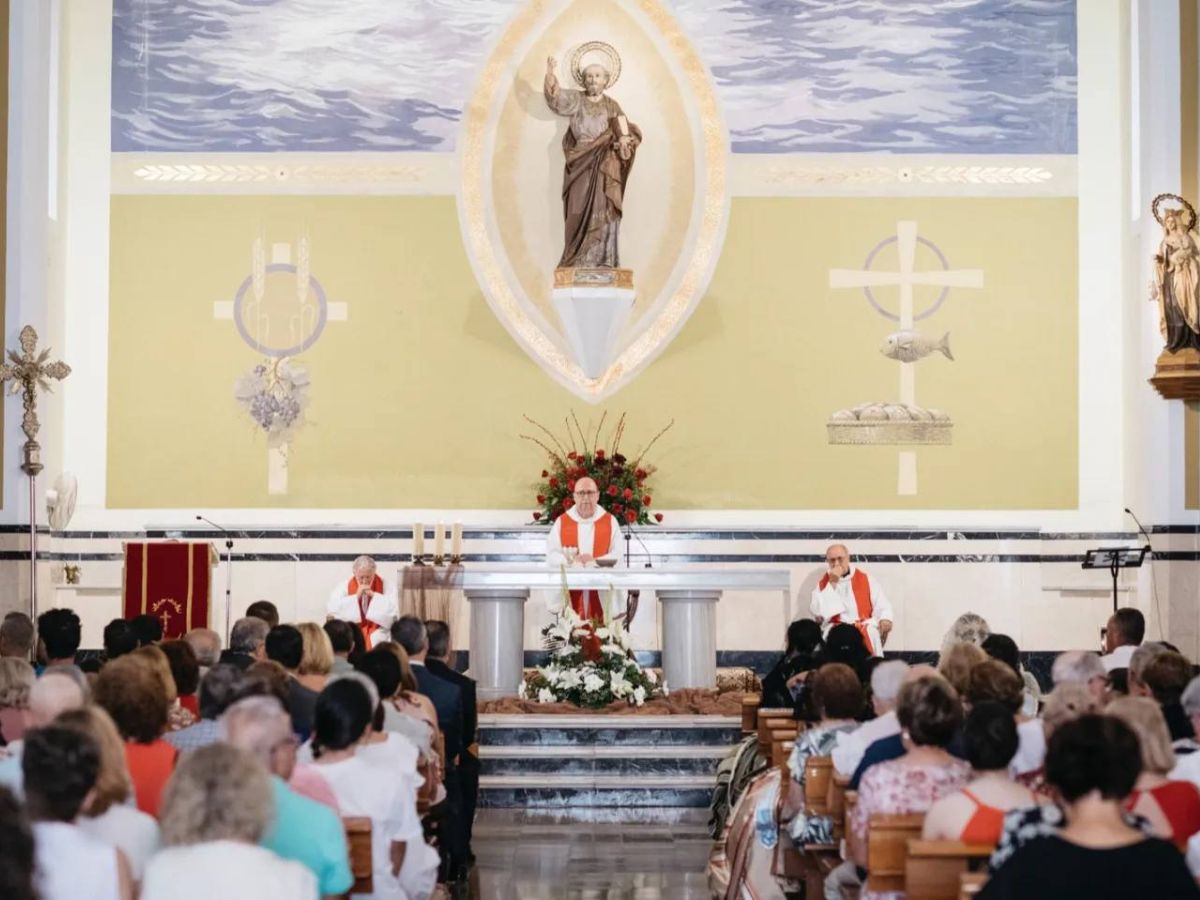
point(583, 534)
point(365, 601)
point(847, 594)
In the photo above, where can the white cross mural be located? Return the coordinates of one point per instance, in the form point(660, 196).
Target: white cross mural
point(906, 278)
point(280, 311)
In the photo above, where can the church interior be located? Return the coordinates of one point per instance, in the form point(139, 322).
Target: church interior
point(627, 449)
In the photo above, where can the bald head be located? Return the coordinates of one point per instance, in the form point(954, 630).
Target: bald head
point(206, 644)
point(837, 557)
point(261, 727)
point(586, 496)
point(55, 692)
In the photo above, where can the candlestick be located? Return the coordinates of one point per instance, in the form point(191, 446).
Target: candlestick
point(456, 542)
point(439, 542)
point(418, 541)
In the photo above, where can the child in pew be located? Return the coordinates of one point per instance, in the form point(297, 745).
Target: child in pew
point(975, 814)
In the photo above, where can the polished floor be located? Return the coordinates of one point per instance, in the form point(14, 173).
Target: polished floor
point(537, 855)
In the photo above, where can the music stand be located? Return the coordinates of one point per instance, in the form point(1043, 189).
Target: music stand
point(1115, 559)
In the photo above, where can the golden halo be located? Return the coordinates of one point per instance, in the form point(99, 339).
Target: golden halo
point(609, 52)
point(1191, 210)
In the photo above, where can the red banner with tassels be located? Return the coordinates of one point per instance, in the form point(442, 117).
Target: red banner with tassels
point(170, 580)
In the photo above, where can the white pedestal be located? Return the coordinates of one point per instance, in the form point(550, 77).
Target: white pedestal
point(497, 640)
point(689, 633)
point(593, 317)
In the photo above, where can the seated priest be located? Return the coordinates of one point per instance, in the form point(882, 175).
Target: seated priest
point(365, 601)
point(847, 594)
point(582, 535)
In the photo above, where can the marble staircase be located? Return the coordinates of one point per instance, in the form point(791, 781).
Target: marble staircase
point(601, 762)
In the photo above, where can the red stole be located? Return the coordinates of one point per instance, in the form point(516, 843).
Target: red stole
point(366, 626)
point(587, 604)
point(861, 586)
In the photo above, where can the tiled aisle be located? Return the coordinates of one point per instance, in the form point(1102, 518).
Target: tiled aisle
point(545, 855)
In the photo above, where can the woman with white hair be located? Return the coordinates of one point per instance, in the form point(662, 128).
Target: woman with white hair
point(216, 808)
point(16, 679)
point(969, 628)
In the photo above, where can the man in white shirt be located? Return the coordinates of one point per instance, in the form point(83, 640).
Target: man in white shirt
point(847, 594)
point(1123, 634)
point(886, 681)
point(365, 601)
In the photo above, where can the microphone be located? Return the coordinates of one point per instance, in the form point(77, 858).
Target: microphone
point(1141, 528)
point(224, 531)
point(630, 532)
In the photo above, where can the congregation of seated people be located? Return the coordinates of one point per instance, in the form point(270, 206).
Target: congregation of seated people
point(1091, 790)
point(266, 769)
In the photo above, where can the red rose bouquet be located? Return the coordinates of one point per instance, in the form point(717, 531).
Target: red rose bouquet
point(624, 483)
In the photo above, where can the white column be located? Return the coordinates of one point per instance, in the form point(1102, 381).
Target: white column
point(689, 638)
point(497, 640)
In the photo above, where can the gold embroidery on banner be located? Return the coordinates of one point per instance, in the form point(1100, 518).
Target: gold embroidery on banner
point(165, 616)
point(187, 622)
point(476, 123)
point(145, 574)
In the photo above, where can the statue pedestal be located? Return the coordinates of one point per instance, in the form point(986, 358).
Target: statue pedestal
point(594, 305)
point(1177, 375)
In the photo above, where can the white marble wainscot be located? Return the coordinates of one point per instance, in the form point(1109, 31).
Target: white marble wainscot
point(1026, 582)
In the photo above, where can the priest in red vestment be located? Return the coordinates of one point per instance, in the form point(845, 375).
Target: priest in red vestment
point(365, 601)
point(580, 536)
point(847, 594)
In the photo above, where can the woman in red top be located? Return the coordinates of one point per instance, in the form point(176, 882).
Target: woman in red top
point(133, 693)
point(975, 814)
point(1172, 807)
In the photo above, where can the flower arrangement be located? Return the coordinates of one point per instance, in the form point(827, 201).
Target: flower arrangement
point(275, 394)
point(624, 484)
point(591, 665)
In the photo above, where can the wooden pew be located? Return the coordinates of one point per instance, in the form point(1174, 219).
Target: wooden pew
point(750, 705)
point(934, 869)
point(770, 720)
point(887, 849)
point(819, 859)
point(362, 865)
point(836, 799)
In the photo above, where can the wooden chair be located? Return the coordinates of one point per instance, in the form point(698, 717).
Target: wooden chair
point(970, 884)
point(934, 869)
point(362, 864)
point(750, 704)
point(818, 773)
point(887, 849)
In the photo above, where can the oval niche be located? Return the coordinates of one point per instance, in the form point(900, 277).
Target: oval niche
point(675, 205)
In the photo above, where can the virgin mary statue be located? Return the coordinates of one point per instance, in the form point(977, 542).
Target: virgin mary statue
point(1177, 278)
point(599, 145)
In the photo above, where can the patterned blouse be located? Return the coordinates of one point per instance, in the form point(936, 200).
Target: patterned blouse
point(813, 742)
point(1021, 826)
point(899, 788)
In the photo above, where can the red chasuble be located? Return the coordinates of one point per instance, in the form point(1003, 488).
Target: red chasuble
point(587, 604)
point(861, 586)
point(365, 625)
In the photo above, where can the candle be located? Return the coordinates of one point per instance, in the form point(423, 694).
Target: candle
point(456, 540)
point(439, 540)
point(418, 540)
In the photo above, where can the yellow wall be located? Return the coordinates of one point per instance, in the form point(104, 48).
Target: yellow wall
point(417, 398)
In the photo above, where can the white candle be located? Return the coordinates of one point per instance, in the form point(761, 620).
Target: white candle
point(456, 540)
point(418, 540)
point(439, 540)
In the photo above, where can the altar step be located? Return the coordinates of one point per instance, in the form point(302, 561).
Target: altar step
point(601, 762)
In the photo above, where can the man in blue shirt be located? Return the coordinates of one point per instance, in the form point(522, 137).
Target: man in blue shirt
point(302, 829)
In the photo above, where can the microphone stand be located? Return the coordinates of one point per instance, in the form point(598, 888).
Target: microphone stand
point(228, 574)
point(1142, 529)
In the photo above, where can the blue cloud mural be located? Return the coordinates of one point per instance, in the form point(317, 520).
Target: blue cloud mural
point(940, 76)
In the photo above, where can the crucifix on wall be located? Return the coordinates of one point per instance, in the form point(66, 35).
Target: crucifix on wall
point(280, 310)
point(904, 422)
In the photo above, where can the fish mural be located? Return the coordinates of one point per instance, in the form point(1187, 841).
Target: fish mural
point(910, 346)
